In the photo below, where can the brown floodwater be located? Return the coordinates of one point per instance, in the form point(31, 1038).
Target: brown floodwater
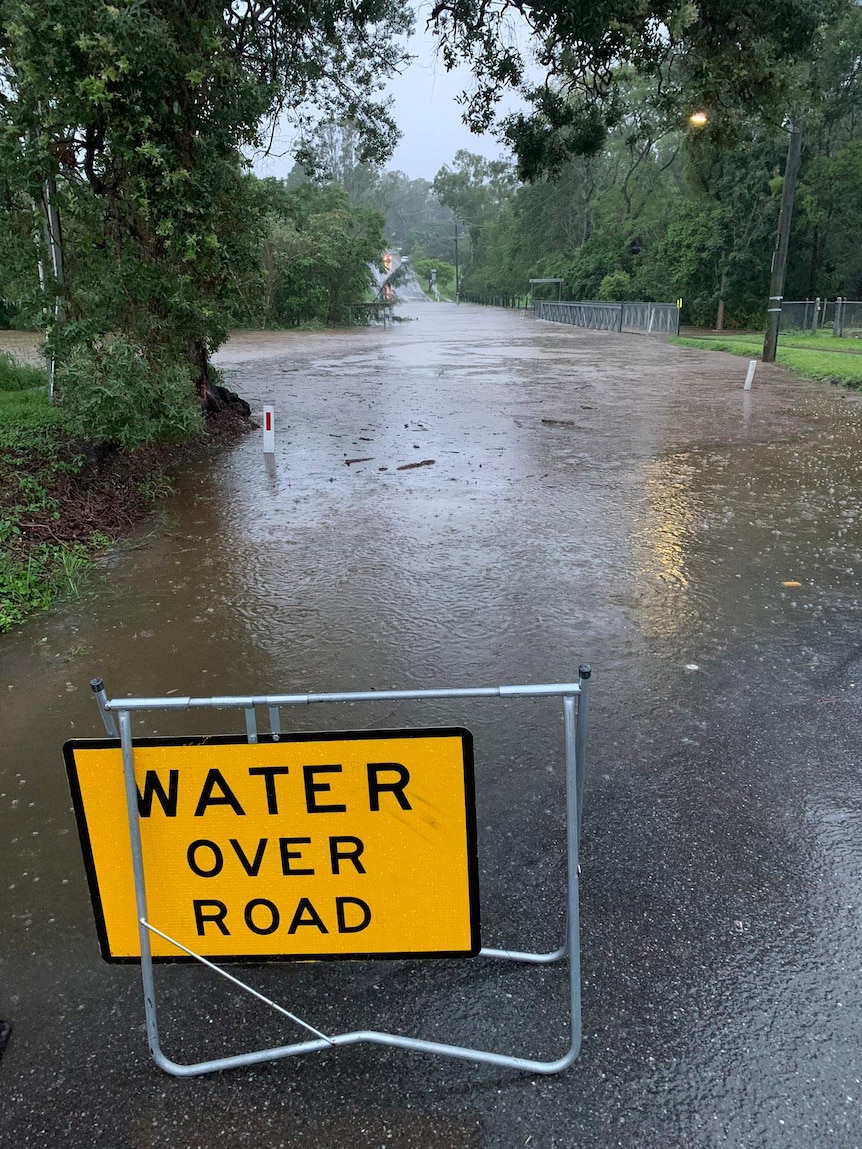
point(584, 497)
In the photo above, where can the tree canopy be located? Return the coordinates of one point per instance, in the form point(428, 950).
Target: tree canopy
point(127, 122)
point(663, 212)
point(737, 54)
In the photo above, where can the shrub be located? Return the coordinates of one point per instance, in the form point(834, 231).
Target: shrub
point(113, 391)
point(600, 256)
point(445, 273)
point(616, 286)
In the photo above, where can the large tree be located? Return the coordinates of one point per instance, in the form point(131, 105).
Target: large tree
point(128, 121)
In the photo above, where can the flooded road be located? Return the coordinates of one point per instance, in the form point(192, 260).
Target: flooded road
point(584, 497)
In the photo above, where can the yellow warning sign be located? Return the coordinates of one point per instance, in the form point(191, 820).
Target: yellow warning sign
point(348, 845)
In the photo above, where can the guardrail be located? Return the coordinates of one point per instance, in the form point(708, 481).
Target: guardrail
point(648, 318)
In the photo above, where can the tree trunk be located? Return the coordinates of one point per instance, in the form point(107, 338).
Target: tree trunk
point(269, 267)
point(719, 319)
point(199, 359)
point(214, 398)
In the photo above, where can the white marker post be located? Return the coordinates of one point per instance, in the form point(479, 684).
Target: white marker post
point(752, 363)
point(269, 430)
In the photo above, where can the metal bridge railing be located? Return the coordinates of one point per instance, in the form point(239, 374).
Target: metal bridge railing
point(649, 318)
point(652, 318)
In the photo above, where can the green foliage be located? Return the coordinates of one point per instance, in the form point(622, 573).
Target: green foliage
point(47, 492)
point(830, 220)
point(26, 585)
point(690, 255)
point(693, 214)
point(445, 273)
point(316, 255)
point(336, 155)
point(33, 581)
point(31, 576)
point(559, 128)
point(15, 376)
point(616, 286)
point(474, 188)
point(115, 391)
point(130, 120)
point(599, 258)
point(434, 240)
point(155, 487)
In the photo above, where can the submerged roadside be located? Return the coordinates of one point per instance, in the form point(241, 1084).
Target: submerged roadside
point(64, 499)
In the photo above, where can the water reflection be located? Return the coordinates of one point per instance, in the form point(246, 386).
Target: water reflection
point(662, 549)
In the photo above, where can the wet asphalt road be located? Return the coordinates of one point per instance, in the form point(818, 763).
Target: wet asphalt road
point(593, 498)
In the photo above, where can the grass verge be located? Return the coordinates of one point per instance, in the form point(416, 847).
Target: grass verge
point(812, 356)
point(32, 568)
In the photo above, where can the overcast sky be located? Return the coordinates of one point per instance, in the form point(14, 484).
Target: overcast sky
point(425, 111)
point(430, 119)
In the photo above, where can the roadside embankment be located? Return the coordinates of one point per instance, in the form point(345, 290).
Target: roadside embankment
point(63, 499)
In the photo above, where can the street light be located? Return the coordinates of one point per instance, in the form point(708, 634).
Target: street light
point(457, 237)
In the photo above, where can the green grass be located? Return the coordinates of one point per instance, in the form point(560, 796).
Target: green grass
point(821, 357)
point(15, 376)
point(33, 573)
point(32, 582)
point(26, 420)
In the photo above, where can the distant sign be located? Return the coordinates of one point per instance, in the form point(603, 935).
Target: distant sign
point(348, 845)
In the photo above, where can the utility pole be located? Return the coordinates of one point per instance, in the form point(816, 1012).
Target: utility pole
point(456, 259)
point(779, 256)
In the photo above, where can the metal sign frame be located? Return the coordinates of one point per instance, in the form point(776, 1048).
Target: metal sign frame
point(575, 700)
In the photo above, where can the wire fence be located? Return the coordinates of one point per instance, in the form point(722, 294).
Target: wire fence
point(842, 316)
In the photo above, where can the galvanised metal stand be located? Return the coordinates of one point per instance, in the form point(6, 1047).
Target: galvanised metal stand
point(575, 699)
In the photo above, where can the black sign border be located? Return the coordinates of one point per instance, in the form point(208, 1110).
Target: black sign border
point(461, 732)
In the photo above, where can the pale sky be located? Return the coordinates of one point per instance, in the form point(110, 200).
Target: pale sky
point(425, 111)
point(430, 119)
